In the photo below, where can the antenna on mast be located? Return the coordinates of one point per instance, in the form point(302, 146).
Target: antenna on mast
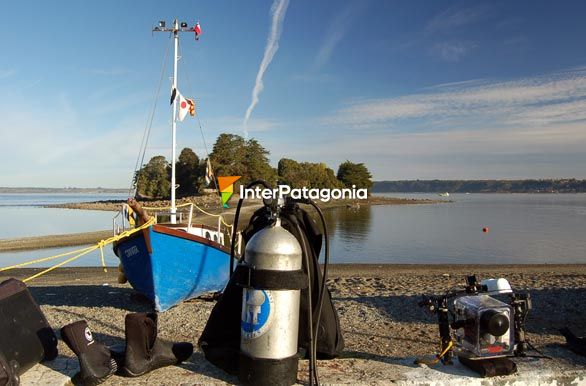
point(175, 29)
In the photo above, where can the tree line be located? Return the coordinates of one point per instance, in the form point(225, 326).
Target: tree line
point(232, 155)
point(568, 185)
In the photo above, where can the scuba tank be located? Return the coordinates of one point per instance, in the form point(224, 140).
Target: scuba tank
point(272, 279)
point(256, 328)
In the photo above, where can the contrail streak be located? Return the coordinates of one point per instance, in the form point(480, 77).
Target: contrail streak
point(278, 10)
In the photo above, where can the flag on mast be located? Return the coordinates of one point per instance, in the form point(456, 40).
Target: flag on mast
point(197, 30)
point(209, 173)
point(191, 104)
point(183, 107)
point(173, 95)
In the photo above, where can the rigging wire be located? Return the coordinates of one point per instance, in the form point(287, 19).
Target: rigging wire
point(147, 129)
point(204, 141)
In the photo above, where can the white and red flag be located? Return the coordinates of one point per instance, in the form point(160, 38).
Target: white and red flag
point(183, 107)
point(197, 30)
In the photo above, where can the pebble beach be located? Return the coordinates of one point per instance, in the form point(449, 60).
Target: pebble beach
point(377, 306)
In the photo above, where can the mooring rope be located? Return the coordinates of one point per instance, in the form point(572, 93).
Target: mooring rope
point(221, 216)
point(79, 252)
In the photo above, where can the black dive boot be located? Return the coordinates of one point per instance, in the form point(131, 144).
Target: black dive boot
point(144, 351)
point(95, 361)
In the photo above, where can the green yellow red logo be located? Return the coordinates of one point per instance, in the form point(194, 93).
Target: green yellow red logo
point(227, 188)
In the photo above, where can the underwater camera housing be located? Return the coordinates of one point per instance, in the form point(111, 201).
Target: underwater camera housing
point(484, 320)
point(483, 327)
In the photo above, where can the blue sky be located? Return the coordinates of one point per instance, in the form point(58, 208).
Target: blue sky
point(414, 89)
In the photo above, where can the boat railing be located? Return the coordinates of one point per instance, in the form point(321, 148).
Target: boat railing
point(121, 220)
point(124, 220)
point(165, 213)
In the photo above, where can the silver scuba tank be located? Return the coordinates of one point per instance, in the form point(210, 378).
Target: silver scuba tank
point(270, 308)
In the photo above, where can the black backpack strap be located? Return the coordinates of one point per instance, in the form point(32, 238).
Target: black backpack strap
point(8, 372)
point(248, 277)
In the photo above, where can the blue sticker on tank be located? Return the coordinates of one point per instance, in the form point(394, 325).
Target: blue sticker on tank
point(257, 312)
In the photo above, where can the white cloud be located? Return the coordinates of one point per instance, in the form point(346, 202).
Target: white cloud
point(455, 17)
point(531, 127)
point(451, 51)
point(548, 99)
point(278, 11)
point(57, 145)
point(5, 74)
point(337, 29)
point(495, 152)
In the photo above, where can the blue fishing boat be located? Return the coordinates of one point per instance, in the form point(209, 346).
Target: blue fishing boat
point(169, 265)
point(173, 261)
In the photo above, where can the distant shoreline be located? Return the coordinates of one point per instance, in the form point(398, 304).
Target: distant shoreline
point(562, 185)
point(26, 190)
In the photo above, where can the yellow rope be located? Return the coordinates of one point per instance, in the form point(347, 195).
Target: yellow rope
point(79, 252)
point(213, 215)
point(165, 207)
point(58, 265)
point(42, 260)
point(197, 207)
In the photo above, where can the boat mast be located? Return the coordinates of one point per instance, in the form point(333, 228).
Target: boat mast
point(175, 30)
point(174, 125)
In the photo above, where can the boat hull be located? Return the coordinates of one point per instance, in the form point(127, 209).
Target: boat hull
point(169, 266)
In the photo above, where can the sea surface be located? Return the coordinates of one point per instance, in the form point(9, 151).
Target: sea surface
point(23, 215)
point(521, 228)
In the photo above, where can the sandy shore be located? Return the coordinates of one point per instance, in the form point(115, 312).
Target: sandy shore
point(377, 305)
point(211, 203)
point(53, 241)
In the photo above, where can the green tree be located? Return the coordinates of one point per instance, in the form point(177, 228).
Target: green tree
point(257, 163)
point(228, 155)
point(306, 174)
point(291, 173)
point(188, 173)
point(232, 155)
point(350, 173)
point(152, 180)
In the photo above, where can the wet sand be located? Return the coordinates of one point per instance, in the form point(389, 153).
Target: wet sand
point(377, 305)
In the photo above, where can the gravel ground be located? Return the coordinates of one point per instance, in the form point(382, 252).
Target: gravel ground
point(377, 305)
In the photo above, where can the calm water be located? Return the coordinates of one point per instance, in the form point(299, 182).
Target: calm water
point(22, 216)
point(523, 228)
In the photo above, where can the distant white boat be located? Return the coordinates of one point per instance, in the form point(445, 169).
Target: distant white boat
point(445, 194)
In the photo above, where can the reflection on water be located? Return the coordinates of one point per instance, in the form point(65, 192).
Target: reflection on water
point(523, 228)
point(350, 226)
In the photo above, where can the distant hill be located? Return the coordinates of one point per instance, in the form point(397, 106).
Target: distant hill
point(97, 190)
point(570, 185)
